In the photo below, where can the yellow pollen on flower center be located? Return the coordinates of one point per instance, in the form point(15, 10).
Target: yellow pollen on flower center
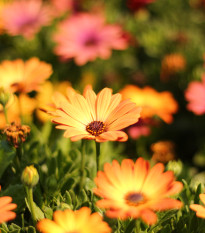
point(95, 128)
point(134, 198)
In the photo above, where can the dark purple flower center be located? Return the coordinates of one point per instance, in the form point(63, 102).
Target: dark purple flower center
point(91, 41)
point(95, 128)
point(134, 198)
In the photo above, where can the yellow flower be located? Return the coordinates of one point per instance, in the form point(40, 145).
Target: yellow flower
point(100, 117)
point(80, 221)
point(152, 102)
point(20, 76)
point(135, 190)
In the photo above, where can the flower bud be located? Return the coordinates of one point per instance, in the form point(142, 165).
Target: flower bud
point(16, 133)
point(4, 97)
point(175, 166)
point(30, 176)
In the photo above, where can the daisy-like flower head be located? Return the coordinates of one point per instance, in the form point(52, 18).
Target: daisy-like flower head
point(100, 117)
point(80, 221)
point(6, 207)
point(25, 17)
point(135, 190)
point(86, 37)
point(161, 104)
point(195, 95)
point(20, 76)
point(199, 209)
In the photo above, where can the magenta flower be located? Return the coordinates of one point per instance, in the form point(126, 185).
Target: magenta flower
point(195, 95)
point(25, 17)
point(85, 37)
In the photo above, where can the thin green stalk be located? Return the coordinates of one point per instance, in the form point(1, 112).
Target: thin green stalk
point(29, 193)
point(5, 114)
point(18, 158)
point(82, 168)
point(97, 144)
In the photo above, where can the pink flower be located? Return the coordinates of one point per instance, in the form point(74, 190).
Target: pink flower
point(85, 37)
point(195, 95)
point(25, 17)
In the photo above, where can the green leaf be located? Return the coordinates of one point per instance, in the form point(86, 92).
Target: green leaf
point(15, 231)
point(31, 229)
point(3, 230)
point(199, 190)
point(37, 211)
point(17, 193)
point(131, 226)
point(48, 212)
point(68, 198)
point(4, 227)
point(14, 227)
point(7, 155)
point(82, 196)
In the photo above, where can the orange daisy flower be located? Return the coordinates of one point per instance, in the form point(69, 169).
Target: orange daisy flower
point(152, 102)
point(100, 117)
point(81, 221)
point(5, 209)
point(199, 209)
point(23, 76)
point(135, 190)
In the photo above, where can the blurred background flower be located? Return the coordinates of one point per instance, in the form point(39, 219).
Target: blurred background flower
point(25, 17)
point(86, 36)
point(195, 95)
point(161, 104)
point(20, 76)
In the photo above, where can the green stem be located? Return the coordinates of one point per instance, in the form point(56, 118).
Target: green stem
point(97, 144)
point(5, 114)
point(29, 193)
point(82, 168)
point(19, 152)
point(138, 228)
point(18, 158)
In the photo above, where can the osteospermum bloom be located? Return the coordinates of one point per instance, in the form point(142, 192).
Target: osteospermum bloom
point(6, 208)
point(25, 17)
point(81, 221)
point(135, 190)
point(86, 37)
point(100, 117)
point(20, 76)
point(199, 209)
point(161, 104)
point(195, 95)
